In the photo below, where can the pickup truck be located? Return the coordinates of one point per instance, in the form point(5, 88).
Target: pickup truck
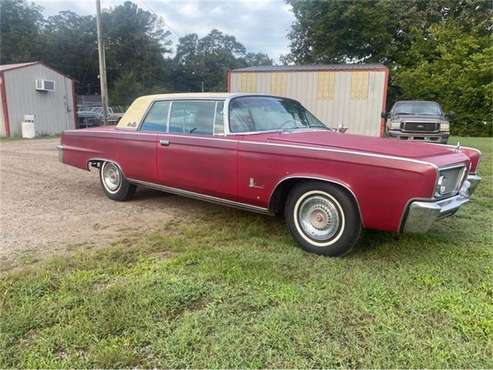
point(93, 116)
point(418, 120)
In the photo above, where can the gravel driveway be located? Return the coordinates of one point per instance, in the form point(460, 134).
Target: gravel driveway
point(49, 208)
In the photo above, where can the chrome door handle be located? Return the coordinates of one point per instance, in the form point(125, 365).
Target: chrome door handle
point(164, 142)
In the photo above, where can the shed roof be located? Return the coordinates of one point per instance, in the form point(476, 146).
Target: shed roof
point(312, 67)
point(6, 67)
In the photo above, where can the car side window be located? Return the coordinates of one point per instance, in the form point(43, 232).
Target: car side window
point(157, 117)
point(192, 117)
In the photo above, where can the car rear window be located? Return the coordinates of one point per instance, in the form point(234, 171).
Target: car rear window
point(157, 117)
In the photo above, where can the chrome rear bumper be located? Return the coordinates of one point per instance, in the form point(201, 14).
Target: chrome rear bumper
point(420, 215)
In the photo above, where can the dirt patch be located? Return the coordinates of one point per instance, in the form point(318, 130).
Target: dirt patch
point(49, 208)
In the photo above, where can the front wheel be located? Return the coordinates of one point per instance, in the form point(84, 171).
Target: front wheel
point(115, 185)
point(323, 218)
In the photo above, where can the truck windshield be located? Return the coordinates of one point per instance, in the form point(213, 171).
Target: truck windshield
point(263, 113)
point(422, 108)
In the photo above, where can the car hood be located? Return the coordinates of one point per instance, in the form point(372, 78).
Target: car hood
point(330, 139)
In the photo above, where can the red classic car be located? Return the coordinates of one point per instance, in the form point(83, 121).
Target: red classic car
point(270, 155)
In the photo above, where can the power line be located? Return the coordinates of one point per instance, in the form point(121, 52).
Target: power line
point(161, 18)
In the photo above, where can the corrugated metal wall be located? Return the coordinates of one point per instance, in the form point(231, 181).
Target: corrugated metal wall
point(353, 98)
point(53, 111)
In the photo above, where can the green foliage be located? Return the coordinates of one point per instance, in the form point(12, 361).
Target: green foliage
point(460, 77)
point(137, 50)
point(229, 289)
point(206, 61)
point(19, 31)
point(439, 49)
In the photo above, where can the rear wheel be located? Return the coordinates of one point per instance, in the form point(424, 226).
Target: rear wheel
point(115, 185)
point(323, 218)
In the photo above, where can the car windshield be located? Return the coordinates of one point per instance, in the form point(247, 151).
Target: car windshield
point(422, 108)
point(262, 113)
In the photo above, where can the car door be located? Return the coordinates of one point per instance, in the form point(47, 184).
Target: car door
point(194, 154)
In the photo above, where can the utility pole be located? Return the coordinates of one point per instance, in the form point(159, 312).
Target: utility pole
point(102, 64)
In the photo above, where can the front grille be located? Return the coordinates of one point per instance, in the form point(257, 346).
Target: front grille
point(421, 126)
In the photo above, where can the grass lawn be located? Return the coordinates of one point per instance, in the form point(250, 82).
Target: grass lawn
point(232, 289)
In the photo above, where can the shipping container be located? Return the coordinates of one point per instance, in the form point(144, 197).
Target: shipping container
point(351, 95)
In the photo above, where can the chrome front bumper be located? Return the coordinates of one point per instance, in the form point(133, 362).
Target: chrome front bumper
point(420, 215)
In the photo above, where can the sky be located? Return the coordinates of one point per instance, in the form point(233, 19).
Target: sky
point(260, 25)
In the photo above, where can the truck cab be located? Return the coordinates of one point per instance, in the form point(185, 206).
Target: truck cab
point(418, 120)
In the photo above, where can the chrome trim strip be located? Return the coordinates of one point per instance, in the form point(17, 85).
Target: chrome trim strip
point(366, 154)
point(283, 131)
point(348, 152)
point(204, 197)
point(345, 186)
point(463, 147)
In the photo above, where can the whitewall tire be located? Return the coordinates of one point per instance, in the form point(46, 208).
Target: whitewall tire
point(114, 183)
point(323, 218)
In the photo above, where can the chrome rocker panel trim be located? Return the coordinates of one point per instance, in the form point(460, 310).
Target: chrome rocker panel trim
point(421, 214)
point(204, 197)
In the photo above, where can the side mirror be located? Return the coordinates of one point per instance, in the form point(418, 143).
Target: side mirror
point(385, 115)
point(450, 115)
point(341, 129)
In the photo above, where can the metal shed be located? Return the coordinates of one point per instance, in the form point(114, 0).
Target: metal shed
point(353, 95)
point(36, 89)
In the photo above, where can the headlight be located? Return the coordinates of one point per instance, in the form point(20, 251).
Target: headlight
point(444, 126)
point(449, 181)
point(395, 125)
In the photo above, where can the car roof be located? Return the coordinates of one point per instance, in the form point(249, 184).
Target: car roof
point(416, 101)
point(204, 95)
point(138, 108)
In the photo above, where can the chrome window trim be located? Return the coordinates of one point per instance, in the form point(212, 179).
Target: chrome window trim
point(204, 197)
point(144, 116)
point(229, 132)
point(364, 154)
point(139, 126)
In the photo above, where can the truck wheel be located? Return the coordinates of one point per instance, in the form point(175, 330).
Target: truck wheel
point(323, 218)
point(115, 185)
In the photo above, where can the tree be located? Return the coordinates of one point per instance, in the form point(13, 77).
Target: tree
point(436, 49)
point(206, 61)
point(20, 26)
point(70, 45)
point(135, 41)
point(460, 77)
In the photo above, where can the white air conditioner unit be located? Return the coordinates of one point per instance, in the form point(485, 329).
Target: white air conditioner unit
point(45, 85)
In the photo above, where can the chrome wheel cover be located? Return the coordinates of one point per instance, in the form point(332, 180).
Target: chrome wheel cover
point(111, 176)
point(318, 217)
